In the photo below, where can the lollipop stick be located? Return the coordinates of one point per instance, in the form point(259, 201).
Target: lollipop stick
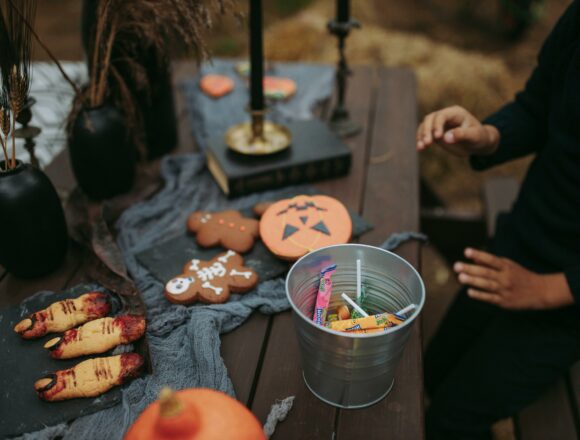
point(406, 309)
point(354, 305)
point(358, 280)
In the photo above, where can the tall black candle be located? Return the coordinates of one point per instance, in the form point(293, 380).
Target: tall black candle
point(342, 10)
point(256, 56)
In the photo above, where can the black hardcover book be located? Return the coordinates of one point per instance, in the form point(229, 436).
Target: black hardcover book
point(316, 153)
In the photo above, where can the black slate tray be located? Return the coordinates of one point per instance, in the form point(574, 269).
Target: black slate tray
point(24, 361)
point(166, 259)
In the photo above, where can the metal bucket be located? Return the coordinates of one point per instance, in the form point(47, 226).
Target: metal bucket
point(348, 370)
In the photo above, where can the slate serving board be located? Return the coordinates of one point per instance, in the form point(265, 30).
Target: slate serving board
point(166, 259)
point(24, 361)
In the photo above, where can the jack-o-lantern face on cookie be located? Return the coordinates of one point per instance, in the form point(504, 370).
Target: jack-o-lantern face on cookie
point(291, 228)
point(211, 281)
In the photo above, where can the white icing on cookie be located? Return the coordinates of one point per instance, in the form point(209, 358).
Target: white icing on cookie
point(208, 273)
point(179, 285)
point(216, 290)
point(246, 275)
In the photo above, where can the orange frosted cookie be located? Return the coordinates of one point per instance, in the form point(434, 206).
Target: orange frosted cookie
point(291, 228)
point(216, 86)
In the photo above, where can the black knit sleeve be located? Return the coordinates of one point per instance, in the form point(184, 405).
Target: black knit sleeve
point(573, 278)
point(523, 123)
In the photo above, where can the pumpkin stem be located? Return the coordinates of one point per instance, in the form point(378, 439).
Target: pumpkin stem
point(169, 404)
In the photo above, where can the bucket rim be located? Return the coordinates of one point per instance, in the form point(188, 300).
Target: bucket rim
point(394, 329)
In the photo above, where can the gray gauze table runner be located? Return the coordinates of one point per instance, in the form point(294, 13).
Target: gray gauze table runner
point(212, 117)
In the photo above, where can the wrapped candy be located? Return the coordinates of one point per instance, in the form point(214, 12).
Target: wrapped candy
point(323, 297)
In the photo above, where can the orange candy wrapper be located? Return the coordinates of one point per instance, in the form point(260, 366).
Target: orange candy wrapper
point(381, 321)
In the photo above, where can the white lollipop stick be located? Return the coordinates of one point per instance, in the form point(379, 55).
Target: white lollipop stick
point(354, 305)
point(358, 280)
point(406, 309)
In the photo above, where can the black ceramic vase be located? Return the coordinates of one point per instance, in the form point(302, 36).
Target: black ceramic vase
point(102, 155)
point(33, 234)
point(157, 105)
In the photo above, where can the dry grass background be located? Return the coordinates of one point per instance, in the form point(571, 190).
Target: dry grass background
point(454, 46)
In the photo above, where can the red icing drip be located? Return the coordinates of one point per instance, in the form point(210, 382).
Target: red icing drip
point(131, 365)
point(38, 326)
point(57, 386)
point(132, 326)
point(67, 337)
point(97, 305)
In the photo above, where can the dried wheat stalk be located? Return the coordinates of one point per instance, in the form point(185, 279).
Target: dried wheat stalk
point(16, 45)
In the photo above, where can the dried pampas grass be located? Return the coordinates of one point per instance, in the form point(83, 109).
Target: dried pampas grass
point(123, 31)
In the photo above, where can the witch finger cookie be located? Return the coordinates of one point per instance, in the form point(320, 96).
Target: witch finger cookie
point(211, 281)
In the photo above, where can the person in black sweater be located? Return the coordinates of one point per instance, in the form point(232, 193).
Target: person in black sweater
point(514, 328)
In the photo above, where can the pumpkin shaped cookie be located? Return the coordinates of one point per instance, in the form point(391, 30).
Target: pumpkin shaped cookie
point(291, 228)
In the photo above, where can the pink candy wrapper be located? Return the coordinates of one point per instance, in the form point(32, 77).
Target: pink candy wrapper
point(323, 297)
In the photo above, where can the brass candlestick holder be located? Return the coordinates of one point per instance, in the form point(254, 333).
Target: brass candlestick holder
point(340, 121)
point(258, 137)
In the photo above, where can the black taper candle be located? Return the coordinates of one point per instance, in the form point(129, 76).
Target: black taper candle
point(342, 10)
point(256, 56)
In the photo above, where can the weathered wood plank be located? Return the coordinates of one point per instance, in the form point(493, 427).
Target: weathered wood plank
point(391, 203)
point(360, 103)
point(550, 417)
point(281, 374)
point(574, 380)
point(242, 351)
point(499, 193)
point(13, 290)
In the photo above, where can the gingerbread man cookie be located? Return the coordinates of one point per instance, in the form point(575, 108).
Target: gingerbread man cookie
point(211, 281)
point(228, 229)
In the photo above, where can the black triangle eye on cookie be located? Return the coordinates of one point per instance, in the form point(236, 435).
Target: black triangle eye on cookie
point(211, 281)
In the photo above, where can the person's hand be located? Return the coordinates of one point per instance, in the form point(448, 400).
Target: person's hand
point(458, 131)
point(506, 284)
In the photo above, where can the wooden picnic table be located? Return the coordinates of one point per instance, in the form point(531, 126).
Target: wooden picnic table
point(262, 355)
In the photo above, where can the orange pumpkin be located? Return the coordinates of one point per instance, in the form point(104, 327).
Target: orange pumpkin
point(195, 414)
point(291, 228)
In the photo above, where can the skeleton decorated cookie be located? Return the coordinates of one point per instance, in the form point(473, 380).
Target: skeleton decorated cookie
point(211, 281)
point(228, 229)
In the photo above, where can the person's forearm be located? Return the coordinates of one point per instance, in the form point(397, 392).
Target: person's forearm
point(556, 291)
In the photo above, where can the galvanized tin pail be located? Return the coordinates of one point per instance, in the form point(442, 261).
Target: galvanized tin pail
point(348, 370)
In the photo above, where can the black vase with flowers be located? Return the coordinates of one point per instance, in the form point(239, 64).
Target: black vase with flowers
point(34, 235)
point(102, 154)
point(154, 100)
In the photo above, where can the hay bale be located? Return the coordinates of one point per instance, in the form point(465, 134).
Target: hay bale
point(446, 75)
